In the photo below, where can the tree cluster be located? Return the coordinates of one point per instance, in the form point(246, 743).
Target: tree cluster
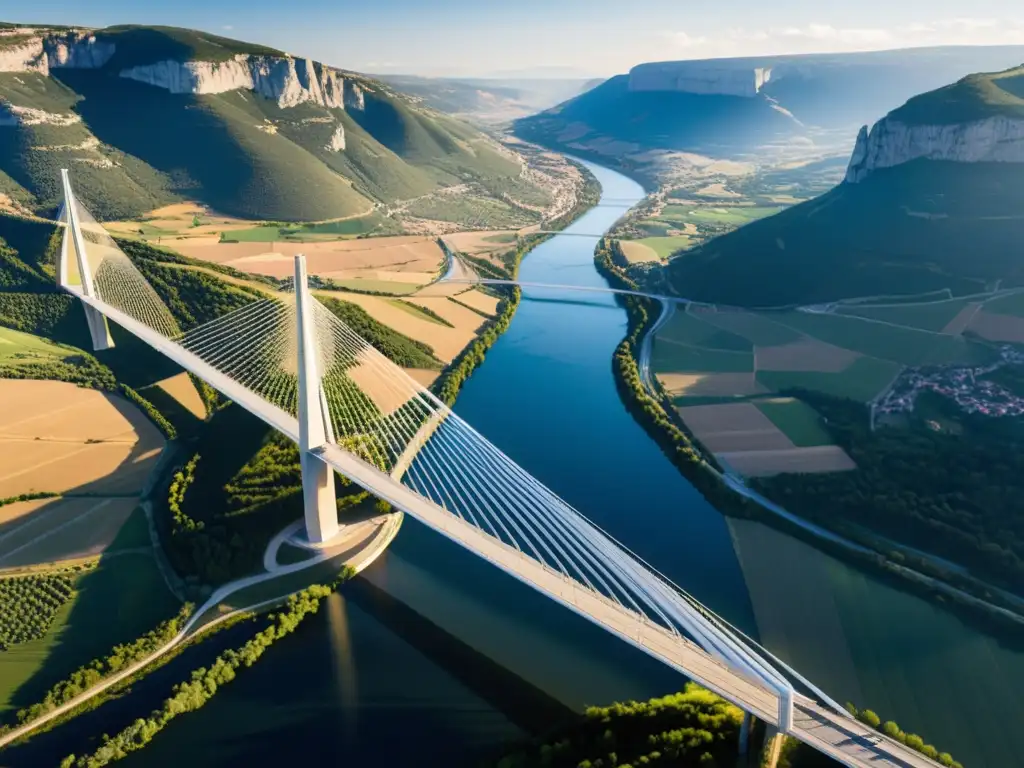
point(90, 674)
point(204, 682)
point(398, 348)
point(450, 382)
point(28, 605)
point(912, 740)
point(147, 408)
point(692, 728)
point(954, 492)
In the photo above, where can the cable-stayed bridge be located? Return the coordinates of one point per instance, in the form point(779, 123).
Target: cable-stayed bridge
point(299, 368)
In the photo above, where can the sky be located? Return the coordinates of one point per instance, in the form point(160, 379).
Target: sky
point(584, 38)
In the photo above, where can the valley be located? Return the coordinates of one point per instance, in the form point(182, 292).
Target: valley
point(816, 439)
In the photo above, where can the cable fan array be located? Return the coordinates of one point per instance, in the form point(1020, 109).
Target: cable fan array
point(378, 413)
point(116, 281)
point(384, 416)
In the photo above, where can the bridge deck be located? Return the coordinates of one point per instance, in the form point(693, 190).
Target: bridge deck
point(846, 740)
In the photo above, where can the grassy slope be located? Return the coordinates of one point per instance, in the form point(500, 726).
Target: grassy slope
point(975, 97)
point(862, 240)
point(119, 600)
point(683, 120)
point(155, 147)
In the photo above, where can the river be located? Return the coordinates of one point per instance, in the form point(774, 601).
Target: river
point(435, 657)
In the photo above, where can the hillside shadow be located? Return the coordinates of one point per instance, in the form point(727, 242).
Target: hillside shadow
point(177, 134)
point(123, 597)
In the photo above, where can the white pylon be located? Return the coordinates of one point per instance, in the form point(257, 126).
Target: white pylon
point(318, 498)
point(99, 331)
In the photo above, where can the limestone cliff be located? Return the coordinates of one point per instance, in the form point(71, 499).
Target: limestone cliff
point(890, 142)
point(702, 78)
point(43, 51)
point(337, 141)
point(286, 80)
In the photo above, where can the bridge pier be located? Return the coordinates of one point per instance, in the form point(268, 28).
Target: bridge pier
point(772, 749)
point(99, 331)
point(320, 508)
point(744, 741)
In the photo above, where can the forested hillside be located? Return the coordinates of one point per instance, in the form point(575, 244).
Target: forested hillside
point(135, 146)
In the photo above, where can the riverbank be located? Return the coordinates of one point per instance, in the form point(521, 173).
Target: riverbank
point(461, 368)
point(732, 498)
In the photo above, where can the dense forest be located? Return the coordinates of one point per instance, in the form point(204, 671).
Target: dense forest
point(692, 728)
point(946, 482)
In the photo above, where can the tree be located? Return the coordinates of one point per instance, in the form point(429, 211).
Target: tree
point(868, 717)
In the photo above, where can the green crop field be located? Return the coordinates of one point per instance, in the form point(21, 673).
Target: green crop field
point(797, 421)
point(666, 246)
point(16, 346)
point(927, 317)
point(899, 345)
point(761, 330)
point(687, 329)
point(668, 357)
point(414, 310)
point(503, 237)
point(1012, 304)
point(733, 215)
point(377, 286)
point(862, 381)
point(115, 603)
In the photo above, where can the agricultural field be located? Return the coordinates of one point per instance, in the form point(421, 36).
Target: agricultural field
point(447, 337)
point(94, 451)
point(785, 356)
point(17, 347)
point(113, 602)
point(638, 252)
point(683, 358)
point(485, 245)
point(906, 346)
point(755, 438)
point(862, 381)
point(934, 316)
point(45, 423)
point(385, 264)
point(796, 420)
point(1011, 304)
point(997, 327)
point(663, 247)
point(725, 365)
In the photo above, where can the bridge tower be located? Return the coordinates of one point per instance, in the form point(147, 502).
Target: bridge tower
point(99, 331)
point(319, 501)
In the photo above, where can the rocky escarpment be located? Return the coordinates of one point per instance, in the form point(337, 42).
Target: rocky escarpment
point(337, 141)
point(41, 52)
point(890, 142)
point(702, 78)
point(287, 81)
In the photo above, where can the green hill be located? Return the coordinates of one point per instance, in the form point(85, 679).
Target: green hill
point(974, 97)
point(919, 226)
point(133, 146)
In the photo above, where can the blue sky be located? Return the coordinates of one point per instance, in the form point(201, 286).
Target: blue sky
point(586, 37)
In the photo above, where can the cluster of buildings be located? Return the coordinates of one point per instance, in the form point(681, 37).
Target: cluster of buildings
point(965, 386)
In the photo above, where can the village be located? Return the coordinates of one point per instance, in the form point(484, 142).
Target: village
point(965, 386)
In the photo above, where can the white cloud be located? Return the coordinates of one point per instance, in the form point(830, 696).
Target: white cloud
point(819, 36)
point(683, 40)
point(228, 27)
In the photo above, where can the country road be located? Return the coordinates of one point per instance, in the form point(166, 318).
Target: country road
point(362, 559)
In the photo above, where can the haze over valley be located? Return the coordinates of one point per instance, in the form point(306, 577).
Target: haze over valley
point(342, 351)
